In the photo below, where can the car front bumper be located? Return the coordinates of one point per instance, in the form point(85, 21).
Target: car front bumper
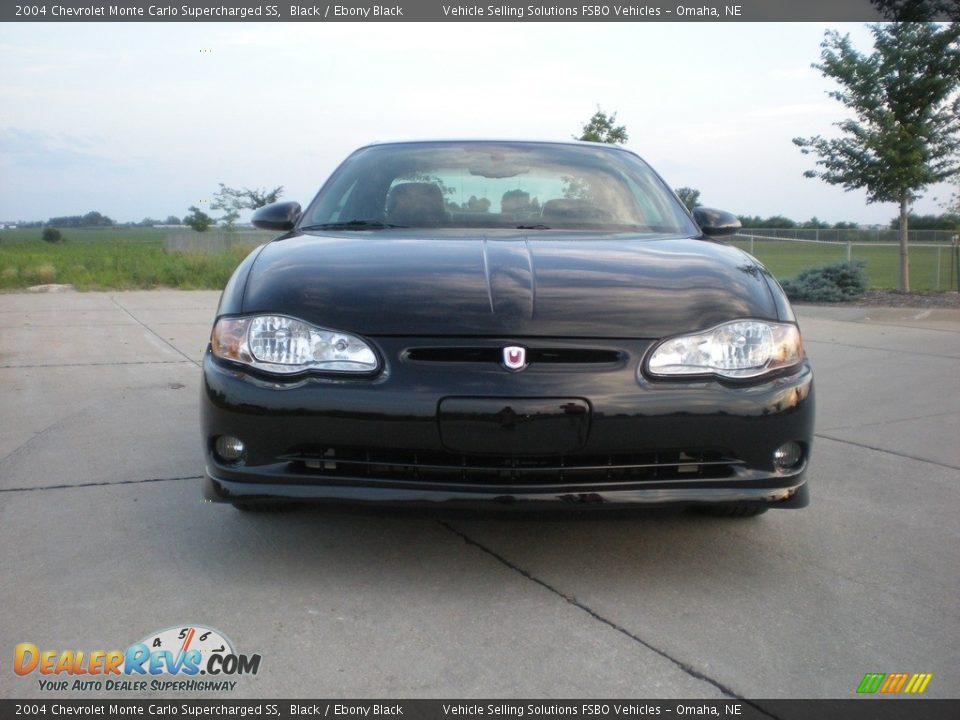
point(387, 441)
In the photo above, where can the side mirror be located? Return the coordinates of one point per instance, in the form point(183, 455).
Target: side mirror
point(715, 222)
point(277, 216)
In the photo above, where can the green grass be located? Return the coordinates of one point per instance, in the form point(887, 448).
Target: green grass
point(134, 258)
point(786, 259)
point(106, 259)
point(127, 234)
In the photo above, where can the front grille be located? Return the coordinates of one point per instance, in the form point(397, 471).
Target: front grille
point(454, 468)
point(574, 356)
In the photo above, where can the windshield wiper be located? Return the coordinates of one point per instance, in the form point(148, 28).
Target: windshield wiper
point(533, 227)
point(352, 225)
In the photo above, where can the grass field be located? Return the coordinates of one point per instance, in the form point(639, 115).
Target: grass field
point(133, 258)
point(786, 258)
point(110, 259)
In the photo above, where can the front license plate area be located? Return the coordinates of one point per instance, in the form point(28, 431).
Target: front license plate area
point(514, 426)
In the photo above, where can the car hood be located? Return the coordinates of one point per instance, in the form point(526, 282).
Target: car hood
point(548, 284)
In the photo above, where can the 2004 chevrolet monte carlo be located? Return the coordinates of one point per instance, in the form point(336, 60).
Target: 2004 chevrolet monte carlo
point(504, 324)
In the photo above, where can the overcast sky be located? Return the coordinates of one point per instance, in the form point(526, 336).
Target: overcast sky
point(137, 120)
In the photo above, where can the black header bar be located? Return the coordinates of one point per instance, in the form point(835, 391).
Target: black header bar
point(733, 709)
point(452, 11)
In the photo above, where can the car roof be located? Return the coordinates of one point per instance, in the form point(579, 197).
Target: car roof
point(507, 141)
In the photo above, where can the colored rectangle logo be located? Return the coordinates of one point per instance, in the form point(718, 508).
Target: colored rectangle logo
point(894, 683)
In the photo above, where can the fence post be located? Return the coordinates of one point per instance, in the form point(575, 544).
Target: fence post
point(938, 267)
point(751, 244)
point(849, 251)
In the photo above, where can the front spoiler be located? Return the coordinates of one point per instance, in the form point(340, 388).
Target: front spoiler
point(792, 496)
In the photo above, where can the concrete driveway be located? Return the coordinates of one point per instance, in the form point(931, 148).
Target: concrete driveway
point(104, 538)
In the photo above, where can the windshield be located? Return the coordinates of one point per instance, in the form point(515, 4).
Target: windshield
point(496, 185)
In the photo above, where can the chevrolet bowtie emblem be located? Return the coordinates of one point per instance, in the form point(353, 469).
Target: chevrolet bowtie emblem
point(514, 357)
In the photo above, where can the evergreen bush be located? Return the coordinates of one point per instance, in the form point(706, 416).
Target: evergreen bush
point(836, 282)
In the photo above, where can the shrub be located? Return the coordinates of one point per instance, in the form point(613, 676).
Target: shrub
point(43, 274)
point(828, 283)
point(52, 235)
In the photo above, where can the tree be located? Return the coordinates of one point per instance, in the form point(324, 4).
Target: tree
point(689, 197)
point(905, 133)
point(475, 204)
point(91, 219)
point(172, 220)
point(233, 201)
point(600, 128)
point(197, 219)
point(773, 222)
point(917, 10)
point(52, 235)
point(947, 221)
point(952, 203)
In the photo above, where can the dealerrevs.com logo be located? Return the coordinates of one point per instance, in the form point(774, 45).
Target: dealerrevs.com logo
point(894, 683)
point(169, 660)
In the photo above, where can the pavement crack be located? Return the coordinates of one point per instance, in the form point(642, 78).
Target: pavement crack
point(688, 669)
point(98, 484)
point(908, 326)
point(889, 422)
point(888, 452)
point(154, 332)
point(814, 341)
point(40, 434)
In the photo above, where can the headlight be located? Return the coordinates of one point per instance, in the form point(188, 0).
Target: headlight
point(740, 349)
point(281, 344)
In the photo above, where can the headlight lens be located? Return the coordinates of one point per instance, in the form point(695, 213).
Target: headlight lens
point(281, 344)
point(740, 349)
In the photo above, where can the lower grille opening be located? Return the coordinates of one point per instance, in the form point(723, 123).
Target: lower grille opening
point(453, 468)
point(576, 356)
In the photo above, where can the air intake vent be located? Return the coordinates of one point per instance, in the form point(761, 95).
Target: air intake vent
point(570, 356)
point(502, 471)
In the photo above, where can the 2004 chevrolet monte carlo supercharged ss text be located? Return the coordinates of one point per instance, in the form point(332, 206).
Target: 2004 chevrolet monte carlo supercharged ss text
point(524, 324)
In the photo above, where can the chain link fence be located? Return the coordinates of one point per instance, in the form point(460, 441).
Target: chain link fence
point(215, 240)
point(855, 235)
point(934, 254)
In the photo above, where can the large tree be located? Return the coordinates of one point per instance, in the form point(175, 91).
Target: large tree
point(600, 128)
point(232, 201)
point(952, 203)
point(197, 219)
point(904, 131)
point(917, 10)
point(688, 196)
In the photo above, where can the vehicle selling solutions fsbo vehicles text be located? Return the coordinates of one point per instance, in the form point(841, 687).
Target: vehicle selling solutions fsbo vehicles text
point(593, 10)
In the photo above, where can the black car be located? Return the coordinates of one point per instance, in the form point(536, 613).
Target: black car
point(504, 324)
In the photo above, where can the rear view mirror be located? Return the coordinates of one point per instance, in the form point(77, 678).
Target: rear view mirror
point(277, 216)
point(716, 222)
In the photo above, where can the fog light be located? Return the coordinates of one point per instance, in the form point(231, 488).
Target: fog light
point(787, 455)
point(229, 449)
